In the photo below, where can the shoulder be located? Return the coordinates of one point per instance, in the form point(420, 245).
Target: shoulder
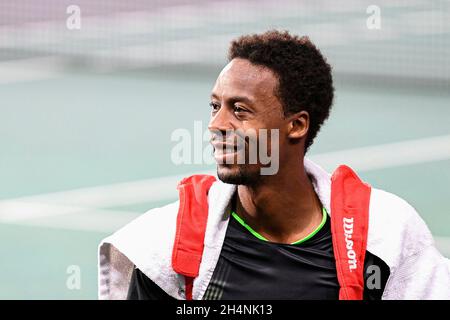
point(149, 234)
point(154, 231)
point(146, 243)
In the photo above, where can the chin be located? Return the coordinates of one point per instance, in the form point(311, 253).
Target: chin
point(227, 173)
point(236, 174)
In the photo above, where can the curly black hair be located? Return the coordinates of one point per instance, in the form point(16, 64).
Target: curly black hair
point(304, 76)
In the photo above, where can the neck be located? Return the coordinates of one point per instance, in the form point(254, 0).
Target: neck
point(283, 207)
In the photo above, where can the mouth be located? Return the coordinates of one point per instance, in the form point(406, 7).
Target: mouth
point(225, 152)
point(224, 147)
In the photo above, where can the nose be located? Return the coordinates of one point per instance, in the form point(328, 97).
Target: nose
point(221, 121)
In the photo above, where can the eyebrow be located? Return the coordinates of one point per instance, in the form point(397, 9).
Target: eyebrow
point(235, 99)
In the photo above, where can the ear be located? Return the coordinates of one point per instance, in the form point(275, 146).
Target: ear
point(298, 125)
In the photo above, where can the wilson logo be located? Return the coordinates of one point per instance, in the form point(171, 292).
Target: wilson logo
point(348, 232)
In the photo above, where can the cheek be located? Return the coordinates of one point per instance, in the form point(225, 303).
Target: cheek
point(272, 131)
point(278, 139)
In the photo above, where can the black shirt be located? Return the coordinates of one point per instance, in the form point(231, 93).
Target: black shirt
point(250, 268)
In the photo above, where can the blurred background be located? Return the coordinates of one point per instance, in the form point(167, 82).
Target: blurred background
point(91, 92)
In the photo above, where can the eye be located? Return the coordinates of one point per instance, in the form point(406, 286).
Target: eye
point(214, 106)
point(238, 109)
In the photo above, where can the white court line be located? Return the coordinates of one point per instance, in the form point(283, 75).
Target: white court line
point(85, 219)
point(19, 211)
point(31, 69)
point(113, 195)
point(164, 188)
point(388, 155)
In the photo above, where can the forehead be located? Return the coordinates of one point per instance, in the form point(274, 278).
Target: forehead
point(240, 77)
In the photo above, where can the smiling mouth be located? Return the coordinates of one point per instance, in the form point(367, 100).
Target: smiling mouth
point(226, 153)
point(225, 148)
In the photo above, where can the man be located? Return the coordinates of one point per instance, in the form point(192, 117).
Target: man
point(295, 233)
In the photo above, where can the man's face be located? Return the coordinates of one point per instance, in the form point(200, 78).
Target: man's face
point(243, 102)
